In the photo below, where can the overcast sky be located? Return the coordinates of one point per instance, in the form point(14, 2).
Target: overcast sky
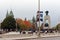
point(28, 9)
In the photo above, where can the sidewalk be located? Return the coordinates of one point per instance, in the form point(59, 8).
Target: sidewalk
point(50, 35)
point(12, 36)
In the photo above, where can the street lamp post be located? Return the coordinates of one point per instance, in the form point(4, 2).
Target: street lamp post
point(16, 25)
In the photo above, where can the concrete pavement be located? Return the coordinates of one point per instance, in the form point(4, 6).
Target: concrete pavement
point(14, 35)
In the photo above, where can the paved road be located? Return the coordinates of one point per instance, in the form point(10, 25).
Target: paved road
point(50, 38)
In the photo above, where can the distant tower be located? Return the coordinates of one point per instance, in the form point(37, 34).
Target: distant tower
point(46, 20)
point(7, 14)
point(11, 13)
point(25, 19)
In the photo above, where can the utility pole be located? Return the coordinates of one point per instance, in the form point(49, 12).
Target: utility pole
point(38, 16)
point(16, 27)
point(38, 5)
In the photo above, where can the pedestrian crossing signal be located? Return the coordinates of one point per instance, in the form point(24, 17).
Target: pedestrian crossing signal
point(41, 19)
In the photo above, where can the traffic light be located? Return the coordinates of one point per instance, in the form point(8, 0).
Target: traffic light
point(41, 19)
point(39, 15)
point(46, 24)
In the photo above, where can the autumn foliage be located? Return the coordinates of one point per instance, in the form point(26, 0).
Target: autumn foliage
point(27, 23)
point(24, 24)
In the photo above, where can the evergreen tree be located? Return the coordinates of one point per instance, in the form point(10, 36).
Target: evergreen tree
point(33, 24)
point(9, 23)
point(58, 27)
point(25, 19)
point(33, 20)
